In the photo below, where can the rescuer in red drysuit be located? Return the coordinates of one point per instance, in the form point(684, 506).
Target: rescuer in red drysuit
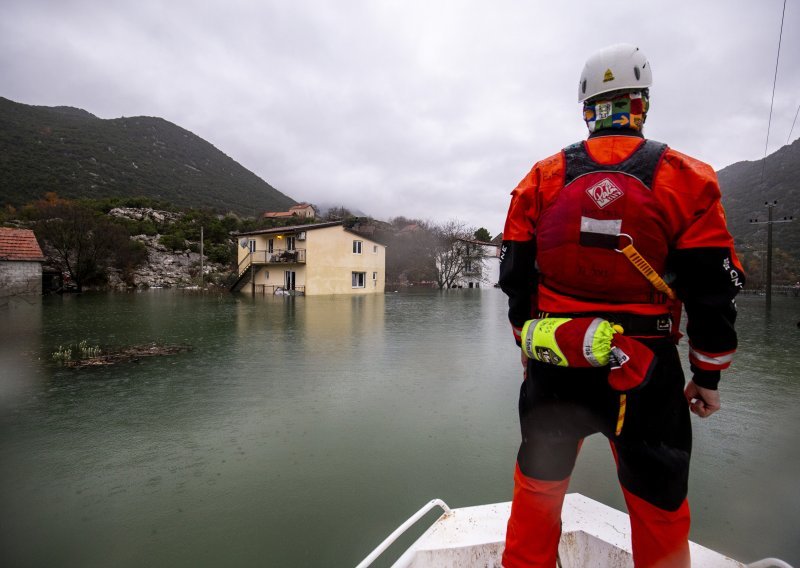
point(568, 219)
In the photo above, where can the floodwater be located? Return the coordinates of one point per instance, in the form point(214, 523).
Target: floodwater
point(301, 431)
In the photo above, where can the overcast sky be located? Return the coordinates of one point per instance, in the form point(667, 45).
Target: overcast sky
point(422, 108)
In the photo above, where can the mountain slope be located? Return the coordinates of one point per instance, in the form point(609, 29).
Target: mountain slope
point(744, 193)
point(77, 155)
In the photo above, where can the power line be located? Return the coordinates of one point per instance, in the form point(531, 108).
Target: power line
point(774, 82)
point(792, 128)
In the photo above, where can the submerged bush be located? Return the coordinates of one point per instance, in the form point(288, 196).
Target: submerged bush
point(65, 354)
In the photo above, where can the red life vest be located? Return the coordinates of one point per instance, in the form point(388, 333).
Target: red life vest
point(602, 207)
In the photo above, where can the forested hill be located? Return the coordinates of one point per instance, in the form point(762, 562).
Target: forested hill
point(744, 193)
point(77, 155)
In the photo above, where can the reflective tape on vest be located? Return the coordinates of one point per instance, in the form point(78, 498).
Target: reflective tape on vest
point(600, 233)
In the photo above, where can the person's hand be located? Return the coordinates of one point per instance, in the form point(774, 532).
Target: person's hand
point(703, 402)
point(524, 360)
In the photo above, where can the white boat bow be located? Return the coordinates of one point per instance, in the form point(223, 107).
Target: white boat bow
point(592, 534)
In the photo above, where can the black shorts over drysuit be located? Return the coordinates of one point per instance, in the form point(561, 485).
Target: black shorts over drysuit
point(559, 406)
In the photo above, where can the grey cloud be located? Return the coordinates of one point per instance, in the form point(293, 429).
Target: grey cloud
point(402, 108)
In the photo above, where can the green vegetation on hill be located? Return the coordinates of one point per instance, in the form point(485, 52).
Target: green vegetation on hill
point(85, 238)
point(743, 195)
point(77, 155)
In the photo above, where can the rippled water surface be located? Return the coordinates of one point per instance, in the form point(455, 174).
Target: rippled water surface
point(301, 431)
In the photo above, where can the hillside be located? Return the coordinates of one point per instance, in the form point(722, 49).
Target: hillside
point(744, 194)
point(77, 155)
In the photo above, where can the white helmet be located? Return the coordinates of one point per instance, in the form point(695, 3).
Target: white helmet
point(617, 67)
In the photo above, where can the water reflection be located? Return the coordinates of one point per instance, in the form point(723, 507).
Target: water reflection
point(300, 431)
point(20, 344)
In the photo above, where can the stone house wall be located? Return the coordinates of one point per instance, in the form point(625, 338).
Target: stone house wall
point(19, 278)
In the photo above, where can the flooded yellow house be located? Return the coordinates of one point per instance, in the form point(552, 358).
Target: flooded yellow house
point(323, 258)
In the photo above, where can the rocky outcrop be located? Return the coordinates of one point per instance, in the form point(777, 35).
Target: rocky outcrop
point(168, 269)
point(143, 213)
point(164, 268)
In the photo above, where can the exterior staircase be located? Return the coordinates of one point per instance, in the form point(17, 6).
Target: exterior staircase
point(243, 271)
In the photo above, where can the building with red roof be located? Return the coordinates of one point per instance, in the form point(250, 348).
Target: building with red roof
point(303, 210)
point(20, 263)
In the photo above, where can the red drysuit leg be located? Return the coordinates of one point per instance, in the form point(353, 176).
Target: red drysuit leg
point(535, 524)
point(660, 538)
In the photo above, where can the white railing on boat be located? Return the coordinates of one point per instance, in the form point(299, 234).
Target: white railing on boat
point(387, 542)
point(769, 563)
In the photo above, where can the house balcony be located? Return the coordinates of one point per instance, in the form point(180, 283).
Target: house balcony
point(295, 256)
point(263, 257)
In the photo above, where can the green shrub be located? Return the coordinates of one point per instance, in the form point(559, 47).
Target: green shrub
point(222, 253)
point(173, 241)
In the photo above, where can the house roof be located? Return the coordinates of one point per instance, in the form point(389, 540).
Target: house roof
point(19, 244)
point(290, 213)
point(476, 242)
point(309, 227)
point(410, 228)
point(292, 228)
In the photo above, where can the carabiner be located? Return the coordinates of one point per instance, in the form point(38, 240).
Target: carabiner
point(624, 235)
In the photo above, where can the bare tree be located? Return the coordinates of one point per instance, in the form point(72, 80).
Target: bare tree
point(409, 254)
point(445, 253)
point(83, 243)
point(337, 213)
point(456, 253)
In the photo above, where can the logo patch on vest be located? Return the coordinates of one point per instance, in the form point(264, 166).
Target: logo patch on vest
point(604, 193)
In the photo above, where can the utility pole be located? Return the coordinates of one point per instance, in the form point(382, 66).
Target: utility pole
point(769, 222)
point(201, 256)
point(250, 251)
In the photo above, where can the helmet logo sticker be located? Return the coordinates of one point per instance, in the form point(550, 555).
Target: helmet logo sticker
point(609, 76)
point(604, 193)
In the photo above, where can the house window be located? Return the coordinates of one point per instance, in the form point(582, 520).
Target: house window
point(252, 245)
point(356, 248)
point(375, 248)
point(270, 245)
point(359, 279)
point(374, 275)
point(289, 243)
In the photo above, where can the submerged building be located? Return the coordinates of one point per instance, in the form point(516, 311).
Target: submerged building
point(317, 259)
point(21, 261)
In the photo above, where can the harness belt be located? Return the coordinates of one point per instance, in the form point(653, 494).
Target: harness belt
point(633, 324)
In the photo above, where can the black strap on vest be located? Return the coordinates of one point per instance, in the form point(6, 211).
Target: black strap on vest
point(641, 164)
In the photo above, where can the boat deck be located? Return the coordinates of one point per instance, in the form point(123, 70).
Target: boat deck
point(593, 534)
